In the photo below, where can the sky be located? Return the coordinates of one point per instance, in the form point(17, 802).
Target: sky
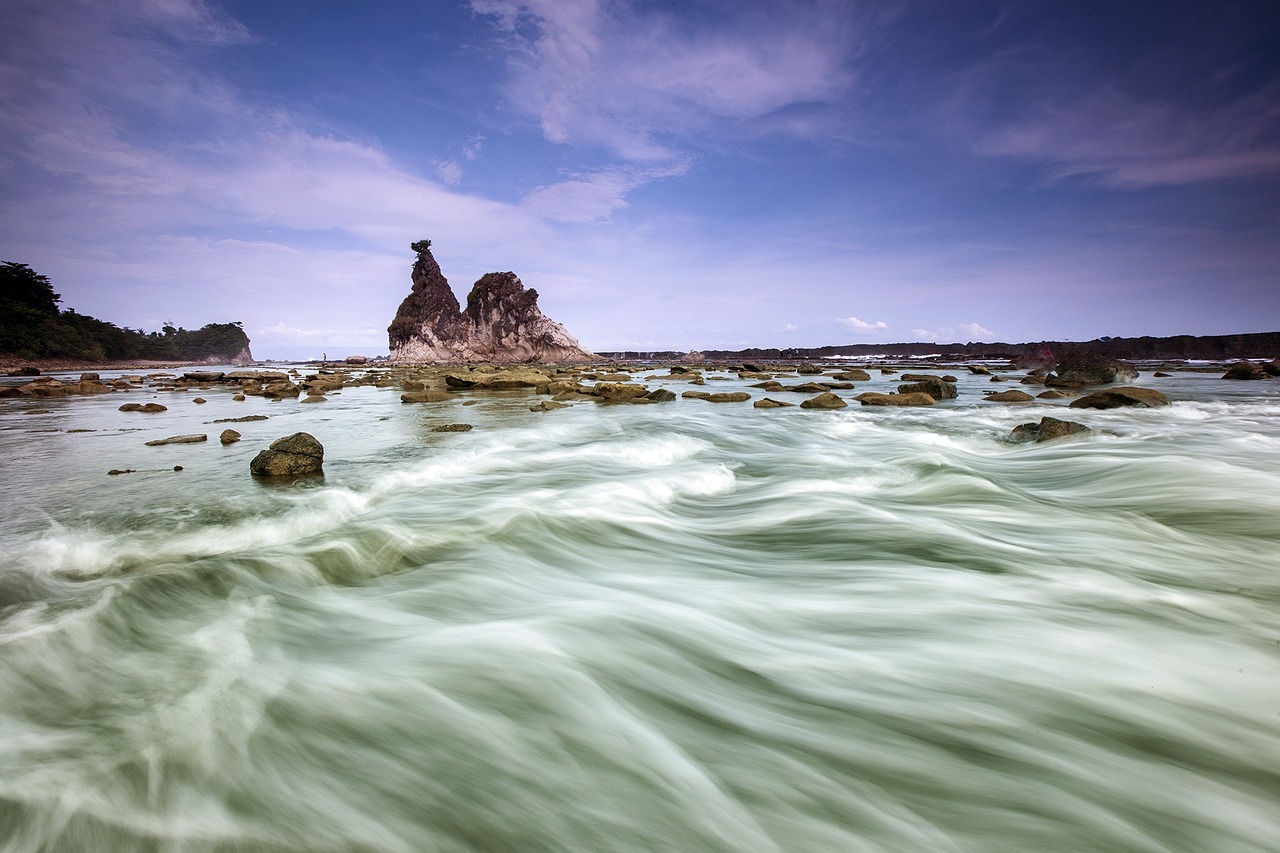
point(669, 175)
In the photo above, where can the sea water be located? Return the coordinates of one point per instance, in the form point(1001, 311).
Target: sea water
point(677, 627)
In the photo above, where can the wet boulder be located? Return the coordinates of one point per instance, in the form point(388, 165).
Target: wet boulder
point(728, 397)
point(1250, 370)
point(229, 436)
point(1047, 430)
point(917, 398)
point(290, 456)
point(431, 396)
point(825, 400)
point(935, 386)
point(770, 403)
point(1091, 370)
point(1011, 396)
point(661, 395)
point(1115, 398)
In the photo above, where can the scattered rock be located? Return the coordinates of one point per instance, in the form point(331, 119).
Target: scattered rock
point(661, 395)
point(244, 419)
point(292, 455)
point(1010, 396)
point(199, 400)
point(432, 396)
point(979, 369)
point(549, 405)
point(856, 374)
point(1091, 370)
point(229, 436)
point(114, 471)
point(917, 398)
point(1047, 430)
point(25, 371)
point(934, 386)
point(1249, 370)
point(204, 376)
point(1054, 394)
point(728, 397)
point(768, 403)
point(826, 400)
point(615, 392)
point(150, 408)
point(177, 439)
point(1114, 398)
point(452, 428)
point(696, 395)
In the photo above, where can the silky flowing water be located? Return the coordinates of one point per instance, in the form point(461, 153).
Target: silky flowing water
point(676, 627)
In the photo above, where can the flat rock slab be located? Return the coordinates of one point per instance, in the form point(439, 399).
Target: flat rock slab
point(177, 439)
point(1127, 396)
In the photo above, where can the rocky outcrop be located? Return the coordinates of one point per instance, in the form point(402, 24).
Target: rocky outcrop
point(501, 323)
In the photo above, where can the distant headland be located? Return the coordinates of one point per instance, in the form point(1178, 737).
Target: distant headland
point(1175, 348)
point(33, 328)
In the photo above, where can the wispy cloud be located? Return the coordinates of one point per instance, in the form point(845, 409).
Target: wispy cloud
point(636, 79)
point(593, 196)
point(863, 325)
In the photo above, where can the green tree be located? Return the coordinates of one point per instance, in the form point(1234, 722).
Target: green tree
point(420, 246)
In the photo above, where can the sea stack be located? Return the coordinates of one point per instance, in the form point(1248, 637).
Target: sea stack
point(501, 323)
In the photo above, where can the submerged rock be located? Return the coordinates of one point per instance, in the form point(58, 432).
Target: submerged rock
point(1115, 398)
point(292, 455)
point(770, 403)
point(177, 439)
point(229, 436)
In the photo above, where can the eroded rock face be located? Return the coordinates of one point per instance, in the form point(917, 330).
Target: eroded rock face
point(501, 323)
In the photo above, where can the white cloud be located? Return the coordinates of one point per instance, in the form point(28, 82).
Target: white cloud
point(472, 149)
point(974, 331)
point(449, 171)
point(863, 325)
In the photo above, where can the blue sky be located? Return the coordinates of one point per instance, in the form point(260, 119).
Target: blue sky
point(668, 175)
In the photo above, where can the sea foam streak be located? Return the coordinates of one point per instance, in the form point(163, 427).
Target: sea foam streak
point(678, 627)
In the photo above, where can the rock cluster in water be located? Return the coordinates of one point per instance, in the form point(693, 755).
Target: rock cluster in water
point(501, 323)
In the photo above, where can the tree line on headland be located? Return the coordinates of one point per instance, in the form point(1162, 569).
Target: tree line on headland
point(33, 327)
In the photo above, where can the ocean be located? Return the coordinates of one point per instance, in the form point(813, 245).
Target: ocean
point(677, 627)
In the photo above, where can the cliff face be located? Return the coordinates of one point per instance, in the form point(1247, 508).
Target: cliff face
point(502, 322)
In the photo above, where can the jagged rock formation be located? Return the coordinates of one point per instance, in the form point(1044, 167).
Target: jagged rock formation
point(501, 323)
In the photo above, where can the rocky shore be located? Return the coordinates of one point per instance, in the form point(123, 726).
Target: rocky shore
point(1090, 383)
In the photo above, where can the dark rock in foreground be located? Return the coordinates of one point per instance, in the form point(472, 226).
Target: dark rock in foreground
point(1047, 430)
point(290, 456)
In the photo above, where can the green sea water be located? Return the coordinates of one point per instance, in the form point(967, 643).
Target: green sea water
point(677, 627)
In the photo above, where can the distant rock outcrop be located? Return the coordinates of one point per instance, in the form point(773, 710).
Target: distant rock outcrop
point(501, 323)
